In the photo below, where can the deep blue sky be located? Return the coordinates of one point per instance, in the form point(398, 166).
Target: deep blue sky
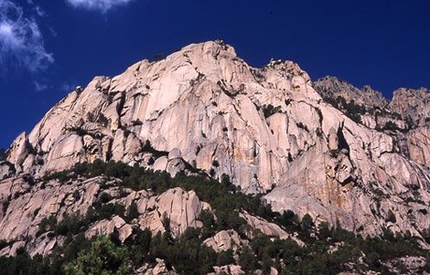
point(385, 44)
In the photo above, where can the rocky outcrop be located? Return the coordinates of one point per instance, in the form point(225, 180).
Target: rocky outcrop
point(31, 203)
point(407, 265)
point(413, 105)
point(418, 142)
point(175, 209)
point(205, 109)
point(229, 269)
point(159, 268)
point(406, 117)
point(265, 227)
point(332, 87)
point(224, 240)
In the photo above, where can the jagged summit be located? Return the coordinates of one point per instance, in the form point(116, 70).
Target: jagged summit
point(331, 86)
point(203, 108)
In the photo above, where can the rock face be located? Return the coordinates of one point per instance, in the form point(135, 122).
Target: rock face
point(205, 108)
point(174, 209)
point(224, 240)
point(333, 87)
point(406, 117)
point(181, 209)
point(412, 104)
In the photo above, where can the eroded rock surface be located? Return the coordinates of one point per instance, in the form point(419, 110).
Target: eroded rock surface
point(174, 210)
point(203, 108)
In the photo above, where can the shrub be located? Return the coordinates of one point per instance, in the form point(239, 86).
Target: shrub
point(104, 257)
point(269, 110)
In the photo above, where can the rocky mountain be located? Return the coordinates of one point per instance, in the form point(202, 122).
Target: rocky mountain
point(332, 87)
point(325, 150)
point(405, 117)
point(412, 105)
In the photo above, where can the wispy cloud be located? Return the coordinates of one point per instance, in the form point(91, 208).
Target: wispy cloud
point(68, 86)
point(21, 42)
point(98, 5)
point(40, 86)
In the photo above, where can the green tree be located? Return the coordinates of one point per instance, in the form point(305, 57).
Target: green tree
point(247, 260)
point(307, 222)
point(132, 212)
point(103, 258)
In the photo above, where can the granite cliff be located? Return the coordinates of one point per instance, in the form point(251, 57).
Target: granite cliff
point(342, 155)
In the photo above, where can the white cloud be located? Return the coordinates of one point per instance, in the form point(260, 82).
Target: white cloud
point(40, 12)
point(20, 38)
point(21, 42)
point(40, 86)
point(98, 5)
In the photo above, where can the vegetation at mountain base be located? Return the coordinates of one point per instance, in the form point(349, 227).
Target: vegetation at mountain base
point(104, 257)
point(327, 249)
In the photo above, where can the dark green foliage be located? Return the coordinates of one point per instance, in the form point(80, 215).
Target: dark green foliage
point(289, 220)
point(247, 260)
point(351, 109)
point(166, 222)
point(307, 222)
point(23, 264)
point(76, 195)
point(331, 101)
point(79, 131)
point(139, 244)
point(222, 85)
point(207, 218)
point(47, 224)
point(5, 205)
point(391, 217)
point(426, 234)
point(269, 110)
point(188, 255)
point(74, 224)
point(132, 212)
point(62, 176)
point(136, 122)
point(71, 225)
point(103, 120)
point(389, 125)
point(106, 211)
point(324, 231)
point(410, 122)
point(4, 243)
point(215, 163)
point(225, 258)
point(302, 126)
point(149, 149)
point(104, 257)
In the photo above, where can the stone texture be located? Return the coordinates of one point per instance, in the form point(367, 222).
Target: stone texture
point(180, 208)
point(269, 229)
point(333, 87)
point(204, 107)
point(106, 227)
point(229, 269)
point(224, 240)
point(411, 103)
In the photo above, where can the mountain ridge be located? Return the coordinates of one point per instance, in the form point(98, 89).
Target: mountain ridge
point(271, 130)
